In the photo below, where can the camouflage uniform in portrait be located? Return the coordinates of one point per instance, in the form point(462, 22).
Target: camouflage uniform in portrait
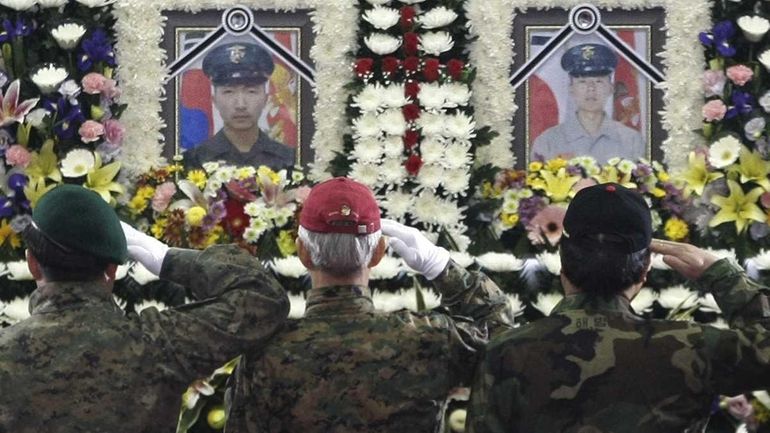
point(347, 367)
point(80, 364)
point(594, 365)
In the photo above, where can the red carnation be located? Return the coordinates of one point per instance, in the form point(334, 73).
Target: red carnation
point(407, 17)
point(411, 40)
point(411, 138)
point(430, 69)
point(411, 64)
point(411, 89)
point(455, 68)
point(411, 112)
point(363, 66)
point(390, 65)
point(413, 164)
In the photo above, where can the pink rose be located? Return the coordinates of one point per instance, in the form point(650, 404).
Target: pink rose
point(713, 82)
point(714, 110)
point(114, 132)
point(163, 194)
point(90, 131)
point(110, 89)
point(739, 74)
point(93, 83)
point(17, 155)
point(739, 407)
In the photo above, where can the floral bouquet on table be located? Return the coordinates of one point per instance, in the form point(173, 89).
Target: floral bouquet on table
point(534, 201)
point(253, 207)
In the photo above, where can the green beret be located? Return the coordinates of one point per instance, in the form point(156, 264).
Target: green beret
point(589, 60)
point(238, 63)
point(79, 219)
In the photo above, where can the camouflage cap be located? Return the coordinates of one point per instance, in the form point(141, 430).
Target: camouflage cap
point(238, 63)
point(611, 214)
point(589, 60)
point(340, 205)
point(77, 219)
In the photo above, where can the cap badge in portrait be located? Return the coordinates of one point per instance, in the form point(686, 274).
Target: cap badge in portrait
point(588, 52)
point(237, 53)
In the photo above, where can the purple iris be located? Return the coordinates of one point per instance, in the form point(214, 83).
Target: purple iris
point(69, 117)
point(17, 182)
point(96, 48)
point(719, 38)
point(13, 30)
point(742, 104)
point(6, 207)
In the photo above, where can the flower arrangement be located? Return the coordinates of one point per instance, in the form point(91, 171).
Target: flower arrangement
point(533, 202)
point(413, 132)
point(253, 207)
point(59, 121)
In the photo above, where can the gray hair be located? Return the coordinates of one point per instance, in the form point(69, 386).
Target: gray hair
point(340, 253)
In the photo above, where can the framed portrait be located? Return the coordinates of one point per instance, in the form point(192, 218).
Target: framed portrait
point(210, 104)
point(586, 98)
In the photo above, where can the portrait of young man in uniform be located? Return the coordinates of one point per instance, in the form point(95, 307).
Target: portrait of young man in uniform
point(598, 115)
point(240, 74)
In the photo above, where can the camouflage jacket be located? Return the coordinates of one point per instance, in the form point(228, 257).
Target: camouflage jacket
point(598, 367)
point(346, 367)
point(79, 364)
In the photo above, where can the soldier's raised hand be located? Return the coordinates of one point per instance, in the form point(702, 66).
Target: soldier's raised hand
point(145, 249)
point(416, 250)
point(688, 260)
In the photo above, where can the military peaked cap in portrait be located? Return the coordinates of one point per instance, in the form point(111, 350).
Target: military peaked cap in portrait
point(589, 60)
point(78, 219)
point(340, 205)
point(238, 63)
point(609, 216)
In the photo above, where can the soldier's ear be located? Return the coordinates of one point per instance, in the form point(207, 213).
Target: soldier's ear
point(379, 252)
point(304, 254)
point(34, 266)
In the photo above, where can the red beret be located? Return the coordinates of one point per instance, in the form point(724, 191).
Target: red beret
point(340, 205)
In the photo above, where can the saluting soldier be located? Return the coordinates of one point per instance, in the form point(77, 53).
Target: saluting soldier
point(79, 364)
point(239, 73)
point(589, 129)
point(347, 367)
point(594, 365)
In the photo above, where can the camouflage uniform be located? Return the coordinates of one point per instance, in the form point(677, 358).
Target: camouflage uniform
point(346, 367)
point(78, 364)
point(598, 367)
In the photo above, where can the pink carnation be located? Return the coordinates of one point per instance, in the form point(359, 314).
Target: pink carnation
point(163, 194)
point(713, 83)
point(714, 110)
point(90, 131)
point(93, 83)
point(739, 74)
point(114, 132)
point(110, 89)
point(17, 155)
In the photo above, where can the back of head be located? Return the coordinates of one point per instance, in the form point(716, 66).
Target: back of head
point(340, 226)
point(607, 234)
point(74, 234)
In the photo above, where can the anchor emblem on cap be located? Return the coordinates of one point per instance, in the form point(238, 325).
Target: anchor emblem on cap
point(588, 52)
point(237, 53)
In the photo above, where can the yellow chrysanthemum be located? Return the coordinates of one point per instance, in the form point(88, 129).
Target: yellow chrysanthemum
point(197, 177)
point(663, 176)
point(243, 173)
point(658, 192)
point(141, 198)
point(8, 235)
point(676, 229)
point(265, 171)
point(286, 244)
point(556, 164)
point(509, 219)
point(195, 216)
point(159, 227)
point(214, 236)
point(535, 166)
point(489, 190)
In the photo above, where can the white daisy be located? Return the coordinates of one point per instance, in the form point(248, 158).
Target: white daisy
point(437, 17)
point(432, 96)
point(500, 262)
point(427, 207)
point(460, 126)
point(457, 94)
point(394, 96)
point(393, 146)
point(77, 163)
point(449, 214)
point(626, 166)
point(382, 44)
point(367, 150)
point(389, 267)
point(432, 124)
point(382, 18)
point(724, 151)
point(431, 150)
point(369, 99)
point(435, 43)
point(392, 172)
point(456, 155)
